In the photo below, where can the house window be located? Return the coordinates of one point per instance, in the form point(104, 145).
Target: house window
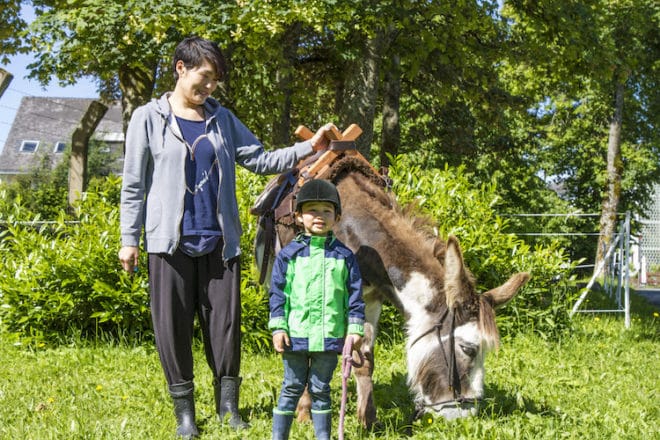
point(59, 147)
point(29, 146)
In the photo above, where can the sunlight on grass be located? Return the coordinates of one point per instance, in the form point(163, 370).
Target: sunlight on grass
point(596, 381)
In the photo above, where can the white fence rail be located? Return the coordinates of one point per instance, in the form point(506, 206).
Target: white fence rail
point(616, 270)
point(615, 267)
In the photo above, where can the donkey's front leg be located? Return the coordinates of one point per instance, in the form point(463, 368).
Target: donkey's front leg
point(366, 409)
point(304, 408)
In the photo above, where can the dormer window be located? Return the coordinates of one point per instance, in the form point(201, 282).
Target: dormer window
point(59, 147)
point(29, 146)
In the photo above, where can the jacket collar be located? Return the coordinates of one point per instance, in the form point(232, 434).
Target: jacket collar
point(306, 239)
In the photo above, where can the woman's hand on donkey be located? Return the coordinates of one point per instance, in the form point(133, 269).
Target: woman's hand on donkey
point(323, 136)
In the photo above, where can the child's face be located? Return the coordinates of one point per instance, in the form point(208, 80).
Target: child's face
point(317, 218)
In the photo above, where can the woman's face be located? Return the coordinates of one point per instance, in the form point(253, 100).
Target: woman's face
point(197, 83)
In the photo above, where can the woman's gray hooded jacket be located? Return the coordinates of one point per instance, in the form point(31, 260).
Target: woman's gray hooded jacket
point(154, 182)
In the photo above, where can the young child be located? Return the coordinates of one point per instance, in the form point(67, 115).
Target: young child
point(315, 303)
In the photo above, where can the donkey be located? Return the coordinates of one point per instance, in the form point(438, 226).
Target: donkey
point(449, 326)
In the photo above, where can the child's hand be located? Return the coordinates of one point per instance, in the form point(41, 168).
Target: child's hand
point(281, 340)
point(357, 341)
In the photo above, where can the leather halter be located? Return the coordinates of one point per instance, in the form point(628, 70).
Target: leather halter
point(453, 377)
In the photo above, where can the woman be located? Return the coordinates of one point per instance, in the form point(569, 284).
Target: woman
point(179, 184)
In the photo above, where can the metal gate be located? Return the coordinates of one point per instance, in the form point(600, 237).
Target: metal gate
point(615, 269)
point(650, 234)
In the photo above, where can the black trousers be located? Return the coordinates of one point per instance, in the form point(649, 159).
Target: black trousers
point(182, 287)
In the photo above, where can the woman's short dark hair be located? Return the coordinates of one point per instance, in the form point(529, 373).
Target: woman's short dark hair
point(194, 50)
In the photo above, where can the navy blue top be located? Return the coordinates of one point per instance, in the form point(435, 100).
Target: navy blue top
point(200, 230)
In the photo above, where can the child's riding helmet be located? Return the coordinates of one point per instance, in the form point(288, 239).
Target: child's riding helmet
point(318, 190)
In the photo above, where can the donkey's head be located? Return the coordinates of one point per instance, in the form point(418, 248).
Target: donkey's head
point(450, 336)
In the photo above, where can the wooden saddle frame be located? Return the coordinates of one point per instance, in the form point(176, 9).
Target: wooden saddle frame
point(275, 205)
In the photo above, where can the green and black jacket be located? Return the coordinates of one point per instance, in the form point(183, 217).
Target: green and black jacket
point(316, 294)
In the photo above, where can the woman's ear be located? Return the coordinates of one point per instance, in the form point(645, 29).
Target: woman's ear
point(180, 67)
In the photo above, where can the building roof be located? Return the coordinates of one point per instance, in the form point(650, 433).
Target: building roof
point(42, 122)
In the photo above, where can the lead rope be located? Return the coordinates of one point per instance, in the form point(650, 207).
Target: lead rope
point(347, 363)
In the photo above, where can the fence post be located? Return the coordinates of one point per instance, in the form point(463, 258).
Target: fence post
point(626, 247)
point(613, 269)
point(599, 268)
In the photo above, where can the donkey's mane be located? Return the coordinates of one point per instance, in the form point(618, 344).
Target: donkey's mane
point(405, 226)
point(349, 164)
point(410, 213)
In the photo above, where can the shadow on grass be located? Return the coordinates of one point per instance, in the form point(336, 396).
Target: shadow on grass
point(396, 412)
point(395, 408)
point(644, 300)
point(501, 403)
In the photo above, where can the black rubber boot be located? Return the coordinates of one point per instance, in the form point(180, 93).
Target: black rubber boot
point(322, 425)
point(226, 401)
point(183, 396)
point(281, 426)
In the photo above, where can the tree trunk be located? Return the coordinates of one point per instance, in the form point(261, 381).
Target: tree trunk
point(5, 79)
point(224, 91)
point(80, 148)
point(284, 79)
point(614, 172)
point(391, 98)
point(136, 85)
point(358, 102)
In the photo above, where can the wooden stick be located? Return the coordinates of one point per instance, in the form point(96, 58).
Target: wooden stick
point(351, 133)
point(304, 133)
point(326, 159)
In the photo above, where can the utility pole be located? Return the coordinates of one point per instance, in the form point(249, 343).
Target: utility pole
point(80, 147)
point(5, 79)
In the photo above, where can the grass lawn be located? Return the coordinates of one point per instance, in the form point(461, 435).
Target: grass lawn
point(598, 382)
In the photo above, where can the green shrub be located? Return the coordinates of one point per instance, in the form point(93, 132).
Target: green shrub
point(40, 190)
point(254, 298)
point(64, 276)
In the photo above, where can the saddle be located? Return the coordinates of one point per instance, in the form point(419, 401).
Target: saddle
point(275, 205)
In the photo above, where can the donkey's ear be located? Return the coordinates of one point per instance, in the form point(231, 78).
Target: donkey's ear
point(503, 294)
point(439, 249)
point(455, 273)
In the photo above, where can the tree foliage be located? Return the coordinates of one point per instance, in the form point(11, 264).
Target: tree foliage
point(525, 92)
point(591, 68)
point(12, 24)
point(124, 45)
